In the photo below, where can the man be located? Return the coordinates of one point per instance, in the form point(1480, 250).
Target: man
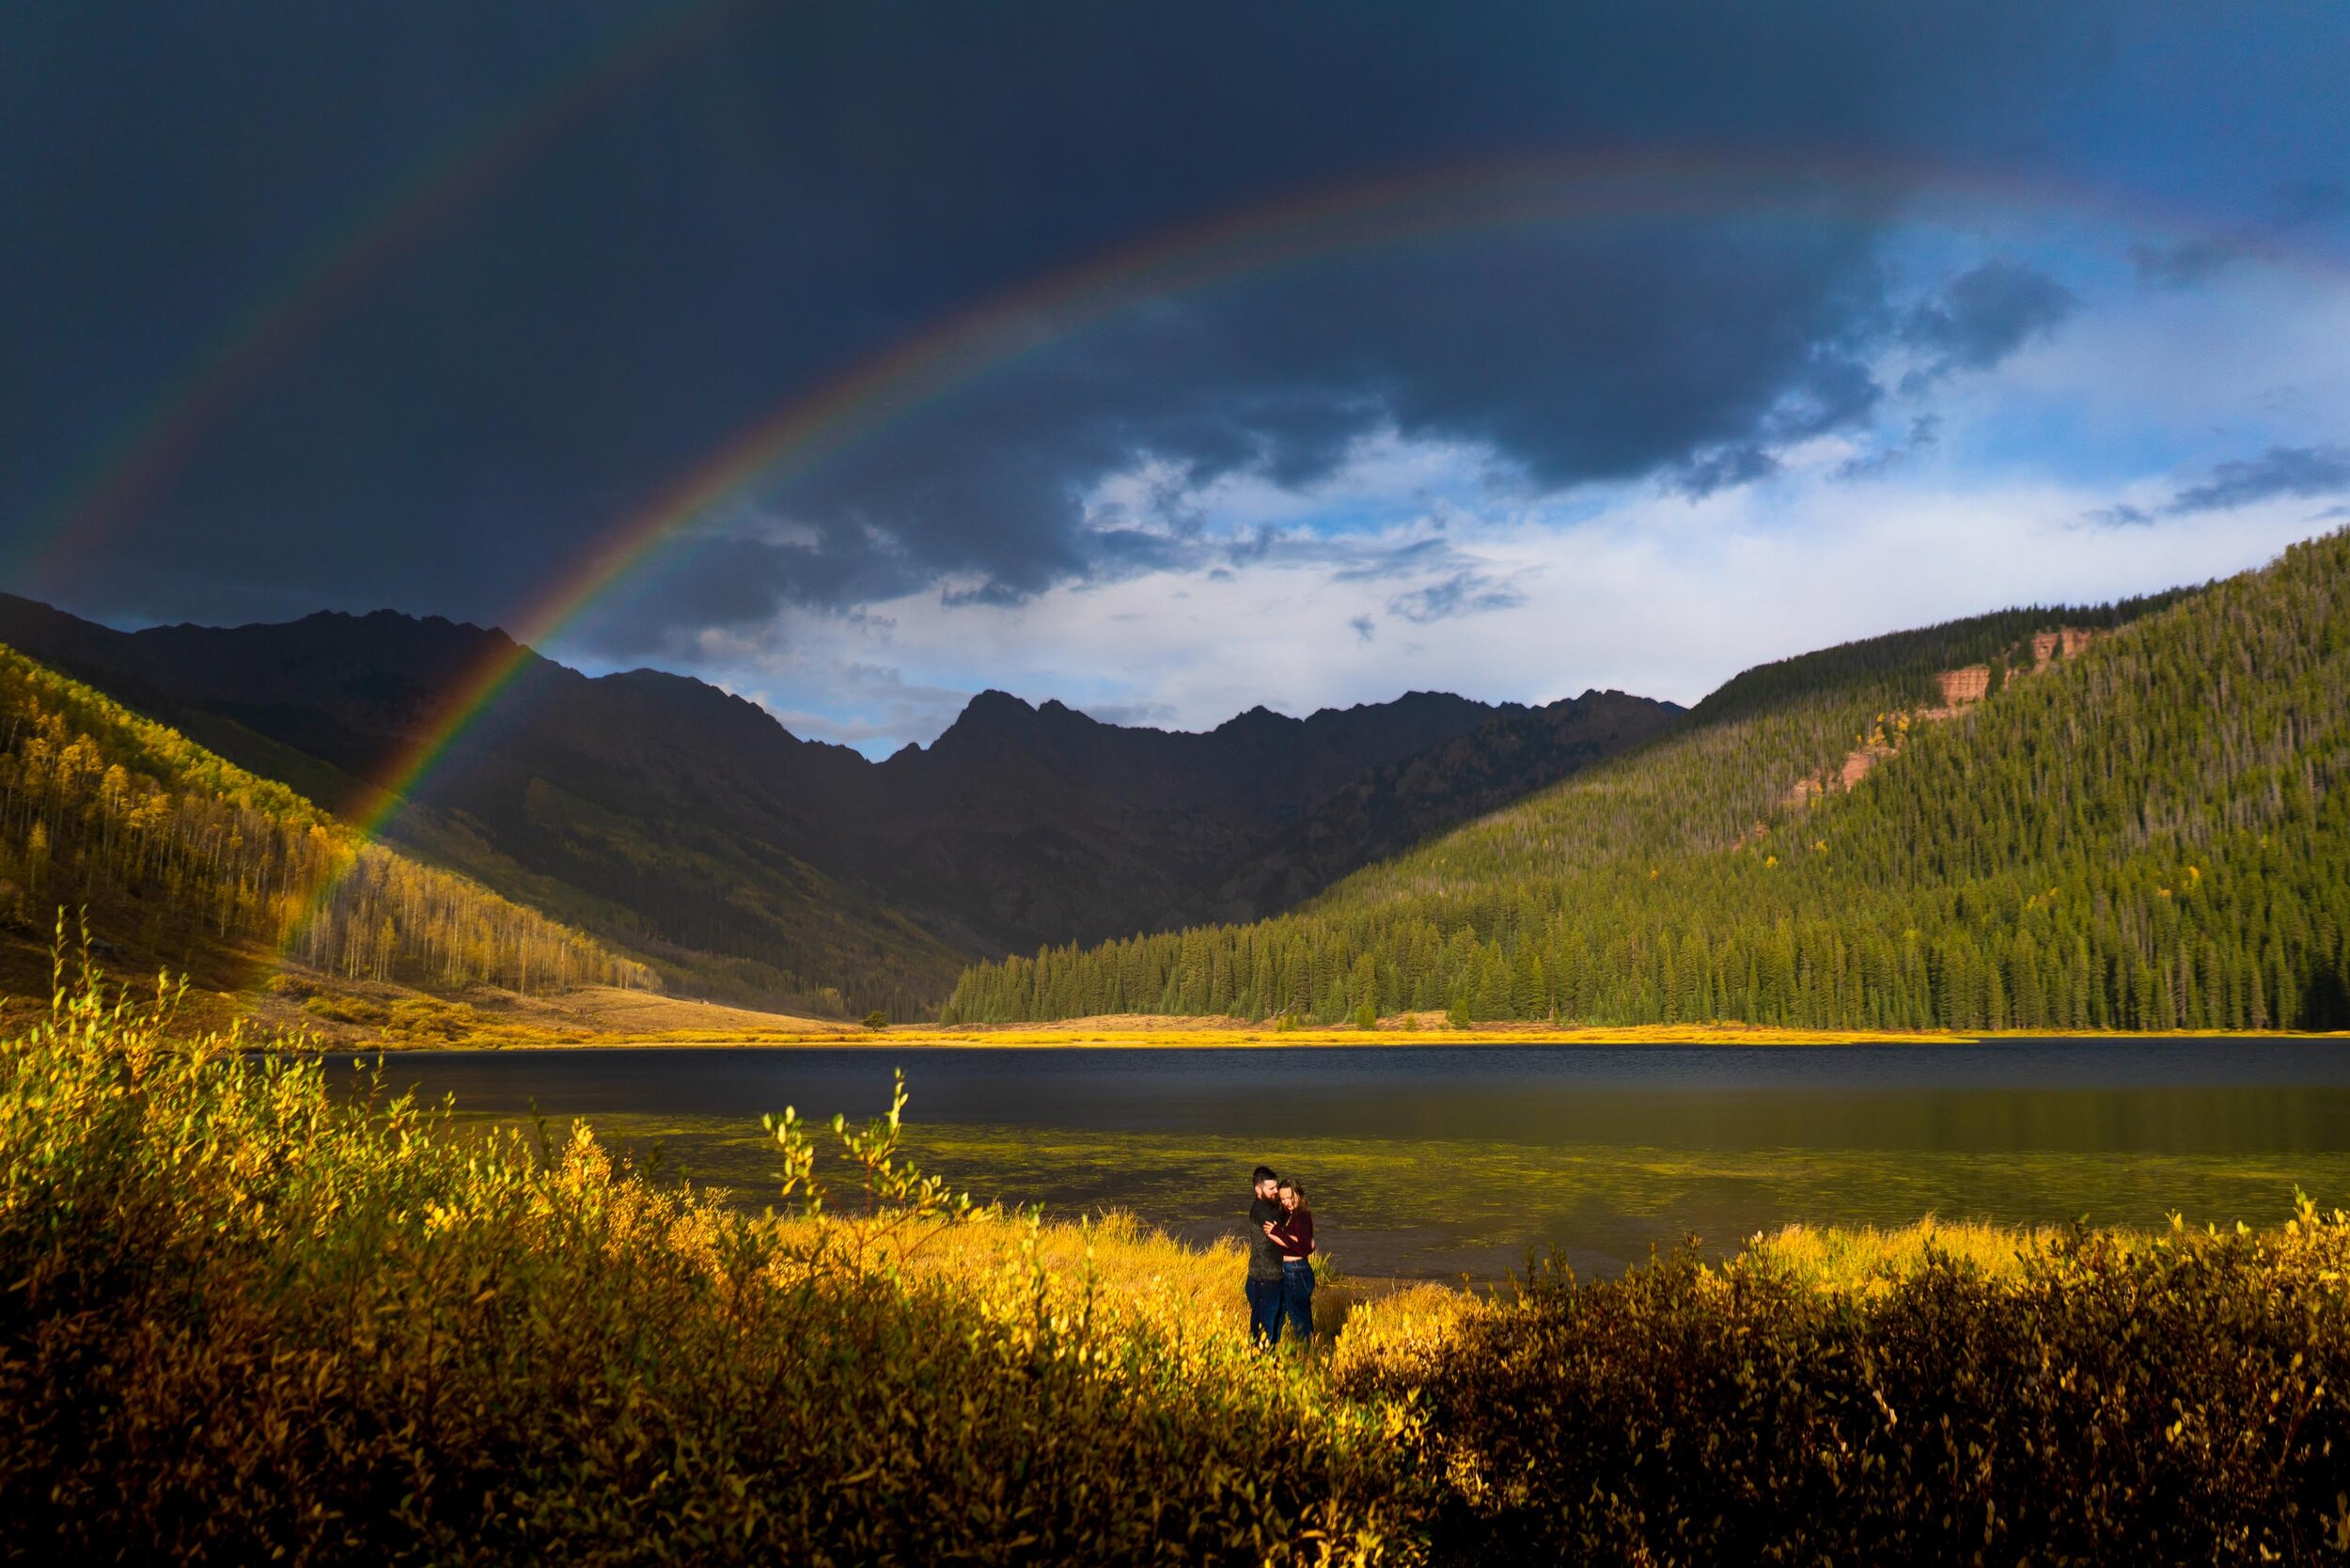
point(1265, 1261)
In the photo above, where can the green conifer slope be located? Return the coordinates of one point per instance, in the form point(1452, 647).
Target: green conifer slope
point(2146, 835)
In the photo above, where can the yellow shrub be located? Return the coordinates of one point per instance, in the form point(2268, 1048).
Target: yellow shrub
point(1395, 1341)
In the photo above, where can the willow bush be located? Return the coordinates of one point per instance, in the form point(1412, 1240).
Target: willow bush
point(242, 1322)
point(2094, 1398)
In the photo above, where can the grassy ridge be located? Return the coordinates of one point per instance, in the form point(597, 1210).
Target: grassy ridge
point(2146, 836)
point(240, 1321)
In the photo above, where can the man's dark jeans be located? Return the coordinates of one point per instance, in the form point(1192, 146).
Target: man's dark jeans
point(1264, 1311)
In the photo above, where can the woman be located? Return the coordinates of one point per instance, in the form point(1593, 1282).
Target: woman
point(1294, 1236)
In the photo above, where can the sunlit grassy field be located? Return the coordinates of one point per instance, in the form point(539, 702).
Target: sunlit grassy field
point(245, 1319)
point(1404, 1205)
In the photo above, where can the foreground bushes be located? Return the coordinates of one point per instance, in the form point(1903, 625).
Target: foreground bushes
point(238, 1321)
point(2101, 1398)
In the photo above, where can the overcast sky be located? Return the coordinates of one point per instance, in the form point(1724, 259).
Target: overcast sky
point(1169, 358)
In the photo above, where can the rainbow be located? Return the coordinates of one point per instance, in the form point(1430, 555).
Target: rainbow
point(311, 291)
point(919, 371)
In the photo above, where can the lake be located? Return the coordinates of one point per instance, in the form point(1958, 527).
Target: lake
point(1458, 1159)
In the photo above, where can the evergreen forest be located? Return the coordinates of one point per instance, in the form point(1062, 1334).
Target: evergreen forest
point(2145, 833)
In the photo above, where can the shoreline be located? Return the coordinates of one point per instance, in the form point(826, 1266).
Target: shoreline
point(1188, 1037)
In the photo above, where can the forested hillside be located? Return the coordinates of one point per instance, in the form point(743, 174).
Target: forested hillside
point(2145, 835)
point(1388, 811)
point(182, 858)
point(1900, 669)
point(654, 812)
point(688, 826)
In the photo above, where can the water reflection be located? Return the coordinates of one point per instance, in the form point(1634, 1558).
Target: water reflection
point(1433, 1161)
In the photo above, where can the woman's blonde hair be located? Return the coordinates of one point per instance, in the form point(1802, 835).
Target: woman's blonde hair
point(1303, 1207)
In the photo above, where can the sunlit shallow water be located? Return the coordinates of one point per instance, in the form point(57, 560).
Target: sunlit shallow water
point(1439, 1161)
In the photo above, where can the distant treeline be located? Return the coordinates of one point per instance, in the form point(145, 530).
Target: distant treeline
point(2146, 836)
point(101, 808)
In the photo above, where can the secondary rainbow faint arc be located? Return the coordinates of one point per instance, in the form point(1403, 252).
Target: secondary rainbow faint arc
point(1353, 216)
point(305, 297)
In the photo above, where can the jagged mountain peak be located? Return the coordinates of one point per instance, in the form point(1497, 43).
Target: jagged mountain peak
point(681, 819)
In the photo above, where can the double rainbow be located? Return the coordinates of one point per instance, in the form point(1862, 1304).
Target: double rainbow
point(804, 430)
point(918, 371)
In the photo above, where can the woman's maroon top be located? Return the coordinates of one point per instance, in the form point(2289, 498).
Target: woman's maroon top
point(1294, 1235)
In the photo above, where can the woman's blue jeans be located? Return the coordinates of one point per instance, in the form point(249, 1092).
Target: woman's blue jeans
point(1297, 1299)
point(1264, 1311)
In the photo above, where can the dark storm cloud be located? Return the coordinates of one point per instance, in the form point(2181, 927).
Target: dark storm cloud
point(1572, 356)
point(1983, 315)
point(729, 579)
point(2303, 471)
point(1830, 391)
point(821, 183)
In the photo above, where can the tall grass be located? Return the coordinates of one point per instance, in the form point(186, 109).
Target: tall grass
point(1872, 1260)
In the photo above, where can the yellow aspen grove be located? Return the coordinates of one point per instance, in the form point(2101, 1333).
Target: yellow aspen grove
point(100, 807)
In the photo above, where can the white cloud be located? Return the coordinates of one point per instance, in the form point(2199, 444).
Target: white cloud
point(1423, 564)
point(1656, 596)
point(2198, 370)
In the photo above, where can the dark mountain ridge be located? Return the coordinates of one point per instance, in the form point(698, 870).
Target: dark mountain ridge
point(2125, 816)
point(749, 863)
point(1388, 809)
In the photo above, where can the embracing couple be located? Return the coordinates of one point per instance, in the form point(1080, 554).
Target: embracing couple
point(1280, 1260)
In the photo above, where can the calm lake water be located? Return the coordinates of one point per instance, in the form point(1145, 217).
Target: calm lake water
point(1460, 1158)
